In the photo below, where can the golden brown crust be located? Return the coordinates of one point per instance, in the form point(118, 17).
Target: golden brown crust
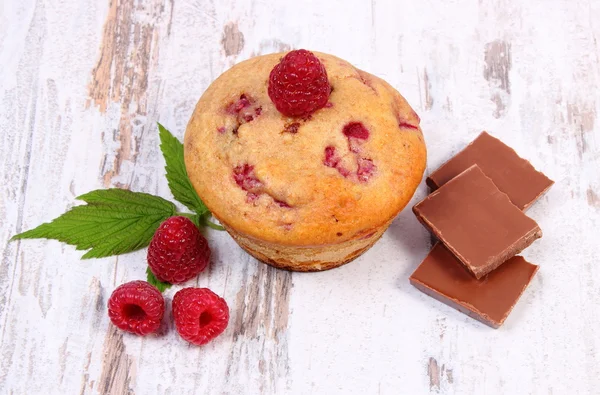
point(307, 259)
point(326, 208)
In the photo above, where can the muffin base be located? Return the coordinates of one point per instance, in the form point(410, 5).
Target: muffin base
point(308, 259)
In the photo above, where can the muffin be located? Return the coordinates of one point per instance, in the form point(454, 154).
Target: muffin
point(313, 189)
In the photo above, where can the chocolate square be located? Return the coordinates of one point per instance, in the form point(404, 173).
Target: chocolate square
point(489, 300)
point(512, 175)
point(476, 221)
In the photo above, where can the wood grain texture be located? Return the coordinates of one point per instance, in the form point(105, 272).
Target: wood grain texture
point(82, 84)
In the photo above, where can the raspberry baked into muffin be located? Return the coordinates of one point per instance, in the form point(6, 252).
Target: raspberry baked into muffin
point(303, 158)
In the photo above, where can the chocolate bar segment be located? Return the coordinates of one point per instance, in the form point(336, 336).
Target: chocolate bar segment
point(512, 175)
point(489, 300)
point(476, 221)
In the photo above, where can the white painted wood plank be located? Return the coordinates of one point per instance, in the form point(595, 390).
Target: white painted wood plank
point(529, 73)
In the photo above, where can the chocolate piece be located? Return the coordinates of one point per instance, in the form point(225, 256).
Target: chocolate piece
point(512, 175)
point(489, 300)
point(476, 221)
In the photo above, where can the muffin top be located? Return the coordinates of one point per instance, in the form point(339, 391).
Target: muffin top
point(335, 175)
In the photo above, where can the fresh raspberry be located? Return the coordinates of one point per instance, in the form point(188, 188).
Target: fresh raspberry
point(178, 251)
point(246, 179)
point(200, 315)
point(298, 85)
point(136, 307)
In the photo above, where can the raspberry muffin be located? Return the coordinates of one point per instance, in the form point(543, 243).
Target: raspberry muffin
point(303, 158)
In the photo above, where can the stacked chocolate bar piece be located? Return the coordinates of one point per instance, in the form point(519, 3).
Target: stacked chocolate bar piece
point(475, 211)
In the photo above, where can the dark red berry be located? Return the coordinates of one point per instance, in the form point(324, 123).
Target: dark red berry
point(246, 179)
point(407, 125)
point(357, 134)
point(200, 315)
point(136, 307)
point(239, 105)
point(281, 203)
point(291, 128)
point(356, 130)
point(298, 85)
point(244, 109)
point(178, 251)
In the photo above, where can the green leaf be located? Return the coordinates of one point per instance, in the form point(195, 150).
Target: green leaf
point(113, 222)
point(151, 278)
point(179, 182)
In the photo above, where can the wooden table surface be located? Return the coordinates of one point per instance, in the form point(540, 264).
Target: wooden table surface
point(82, 83)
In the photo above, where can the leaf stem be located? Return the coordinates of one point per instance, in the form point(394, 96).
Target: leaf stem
point(201, 220)
point(213, 225)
